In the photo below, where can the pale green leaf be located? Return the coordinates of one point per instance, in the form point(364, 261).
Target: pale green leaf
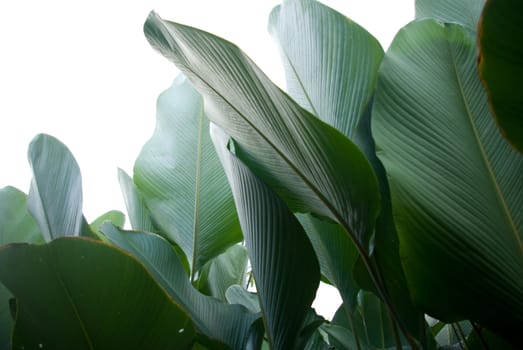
point(465, 12)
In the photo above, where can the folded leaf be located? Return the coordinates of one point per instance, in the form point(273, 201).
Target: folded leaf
point(139, 214)
point(465, 12)
point(284, 266)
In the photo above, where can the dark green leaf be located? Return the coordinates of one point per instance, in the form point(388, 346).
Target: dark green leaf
point(285, 269)
point(55, 197)
point(501, 65)
point(456, 184)
point(182, 181)
point(75, 293)
point(230, 324)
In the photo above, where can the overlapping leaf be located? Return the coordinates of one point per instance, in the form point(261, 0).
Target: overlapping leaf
point(55, 197)
point(233, 325)
point(75, 293)
point(501, 65)
point(456, 184)
point(285, 269)
point(182, 181)
point(138, 213)
point(309, 164)
point(466, 12)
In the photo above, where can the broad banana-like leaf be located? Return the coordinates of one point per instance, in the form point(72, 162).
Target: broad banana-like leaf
point(233, 325)
point(227, 269)
point(331, 63)
point(501, 65)
point(456, 184)
point(312, 166)
point(16, 224)
point(284, 265)
point(76, 293)
point(139, 214)
point(182, 181)
point(465, 12)
point(55, 197)
point(116, 217)
point(236, 294)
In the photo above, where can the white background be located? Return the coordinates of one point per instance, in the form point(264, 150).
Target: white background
point(83, 72)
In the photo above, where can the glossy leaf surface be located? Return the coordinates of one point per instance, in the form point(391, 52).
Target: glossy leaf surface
point(457, 192)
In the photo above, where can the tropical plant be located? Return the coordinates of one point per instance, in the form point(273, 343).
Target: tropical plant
point(382, 174)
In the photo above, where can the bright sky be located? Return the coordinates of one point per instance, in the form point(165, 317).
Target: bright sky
point(83, 72)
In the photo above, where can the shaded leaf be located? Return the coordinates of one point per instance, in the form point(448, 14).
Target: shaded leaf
point(465, 12)
point(55, 197)
point(227, 269)
point(58, 284)
point(308, 163)
point(455, 182)
point(236, 294)
point(284, 266)
point(182, 181)
point(501, 65)
point(231, 324)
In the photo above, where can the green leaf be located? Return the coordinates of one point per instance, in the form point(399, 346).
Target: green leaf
point(231, 324)
point(84, 294)
point(284, 266)
point(465, 12)
point(116, 217)
point(456, 184)
point(227, 269)
point(236, 294)
point(139, 214)
point(336, 255)
point(17, 225)
point(309, 164)
point(182, 181)
point(501, 65)
point(55, 197)
point(331, 63)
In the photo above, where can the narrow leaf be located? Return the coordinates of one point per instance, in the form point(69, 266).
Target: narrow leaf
point(285, 268)
point(139, 214)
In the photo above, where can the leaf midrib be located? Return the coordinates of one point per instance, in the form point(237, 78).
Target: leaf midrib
point(484, 157)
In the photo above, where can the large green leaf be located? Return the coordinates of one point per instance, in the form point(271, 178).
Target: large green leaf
point(233, 325)
point(55, 197)
point(466, 12)
point(456, 184)
point(17, 225)
point(139, 214)
point(331, 63)
point(116, 217)
point(227, 269)
point(284, 265)
point(182, 181)
point(75, 293)
point(501, 65)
